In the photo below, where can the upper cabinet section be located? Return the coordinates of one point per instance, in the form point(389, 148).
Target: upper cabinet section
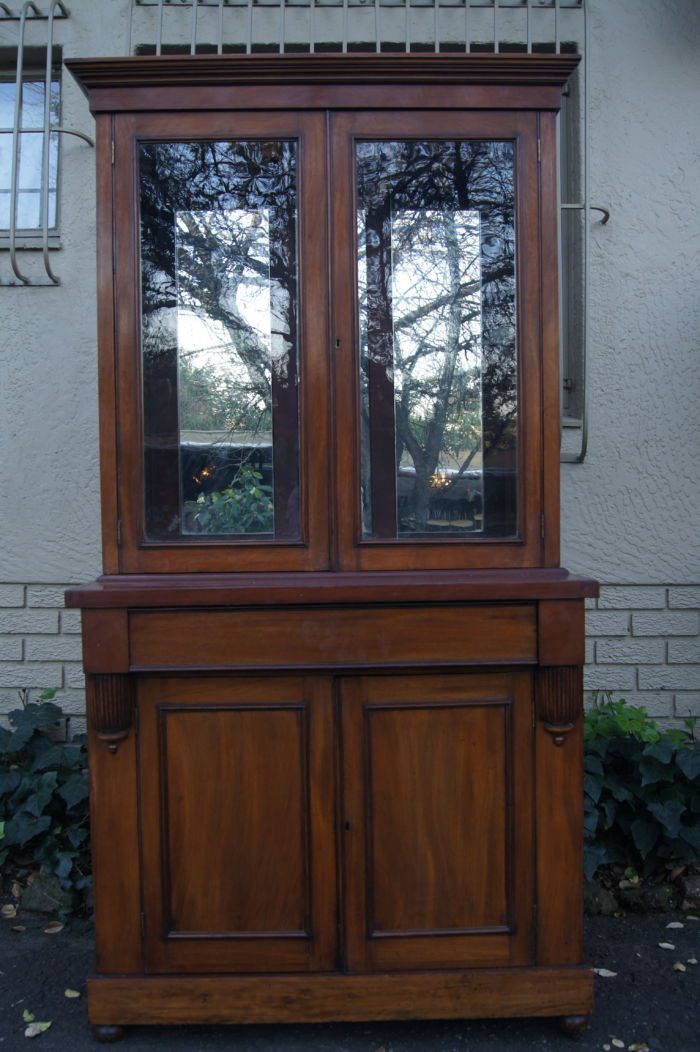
point(328, 311)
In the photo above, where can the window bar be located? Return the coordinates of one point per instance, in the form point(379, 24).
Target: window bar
point(467, 5)
point(344, 43)
point(249, 30)
point(28, 6)
point(193, 30)
point(159, 38)
point(377, 30)
point(407, 27)
point(283, 11)
point(436, 27)
point(46, 145)
point(529, 27)
point(220, 31)
point(312, 25)
point(495, 26)
point(557, 42)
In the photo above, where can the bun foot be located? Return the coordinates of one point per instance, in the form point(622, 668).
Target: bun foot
point(573, 1025)
point(107, 1035)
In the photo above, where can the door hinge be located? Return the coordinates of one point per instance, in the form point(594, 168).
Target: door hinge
point(539, 150)
point(542, 526)
point(112, 151)
point(119, 531)
point(143, 925)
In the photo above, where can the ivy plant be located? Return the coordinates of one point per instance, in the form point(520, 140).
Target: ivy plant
point(642, 790)
point(43, 798)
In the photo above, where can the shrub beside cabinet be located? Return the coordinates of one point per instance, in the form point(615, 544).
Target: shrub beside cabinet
point(333, 666)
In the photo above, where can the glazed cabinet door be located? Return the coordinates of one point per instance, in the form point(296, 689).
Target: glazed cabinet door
point(437, 797)
point(237, 806)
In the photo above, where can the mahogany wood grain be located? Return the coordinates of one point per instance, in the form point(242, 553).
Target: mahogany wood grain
point(559, 821)
point(192, 590)
point(437, 819)
point(105, 640)
point(495, 70)
point(335, 637)
point(548, 287)
point(508, 992)
point(560, 632)
point(114, 828)
point(238, 824)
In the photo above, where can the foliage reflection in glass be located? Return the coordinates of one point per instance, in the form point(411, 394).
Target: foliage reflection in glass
point(219, 309)
point(436, 288)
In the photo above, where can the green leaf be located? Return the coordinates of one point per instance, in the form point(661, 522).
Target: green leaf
point(23, 827)
point(75, 788)
point(593, 764)
point(689, 762)
point(669, 815)
point(38, 801)
point(645, 835)
point(653, 771)
point(592, 787)
point(691, 834)
point(662, 750)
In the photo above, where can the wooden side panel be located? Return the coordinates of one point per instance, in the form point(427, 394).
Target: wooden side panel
point(437, 798)
point(115, 838)
point(238, 843)
point(561, 632)
point(334, 637)
point(105, 641)
point(559, 817)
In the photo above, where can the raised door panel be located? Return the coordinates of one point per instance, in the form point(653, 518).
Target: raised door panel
point(237, 819)
point(438, 820)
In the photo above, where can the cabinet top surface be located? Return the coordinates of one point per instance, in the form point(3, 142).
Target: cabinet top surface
point(186, 590)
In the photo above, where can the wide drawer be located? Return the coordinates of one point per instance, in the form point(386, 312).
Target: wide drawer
point(333, 637)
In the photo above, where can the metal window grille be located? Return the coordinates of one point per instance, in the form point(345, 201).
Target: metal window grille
point(49, 129)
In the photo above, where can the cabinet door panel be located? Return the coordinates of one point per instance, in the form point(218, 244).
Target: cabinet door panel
point(437, 798)
point(238, 824)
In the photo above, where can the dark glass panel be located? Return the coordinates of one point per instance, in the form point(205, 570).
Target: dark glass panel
point(438, 360)
point(219, 339)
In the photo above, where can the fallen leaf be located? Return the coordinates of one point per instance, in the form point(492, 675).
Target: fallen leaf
point(617, 1043)
point(71, 994)
point(606, 1048)
point(8, 911)
point(27, 1016)
point(679, 967)
point(53, 928)
point(638, 1046)
point(35, 1029)
point(692, 960)
point(18, 927)
point(605, 973)
point(667, 946)
point(691, 916)
point(675, 924)
point(16, 890)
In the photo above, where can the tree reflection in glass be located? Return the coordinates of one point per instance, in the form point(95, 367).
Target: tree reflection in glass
point(218, 263)
point(436, 285)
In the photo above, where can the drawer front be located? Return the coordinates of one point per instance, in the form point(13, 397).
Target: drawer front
point(333, 637)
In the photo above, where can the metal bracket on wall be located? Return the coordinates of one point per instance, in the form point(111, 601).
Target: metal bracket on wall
point(30, 12)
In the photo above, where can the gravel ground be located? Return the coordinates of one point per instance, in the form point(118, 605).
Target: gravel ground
point(647, 1001)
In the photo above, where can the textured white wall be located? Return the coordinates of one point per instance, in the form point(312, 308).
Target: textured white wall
point(630, 514)
point(632, 511)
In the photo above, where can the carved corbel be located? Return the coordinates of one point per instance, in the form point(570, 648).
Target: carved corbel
point(559, 699)
point(110, 706)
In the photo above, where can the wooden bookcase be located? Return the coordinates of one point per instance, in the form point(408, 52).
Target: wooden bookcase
point(333, 666)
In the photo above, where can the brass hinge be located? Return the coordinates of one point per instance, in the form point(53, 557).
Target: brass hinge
point(112, 151)
point(539, 150)
point(119, 531)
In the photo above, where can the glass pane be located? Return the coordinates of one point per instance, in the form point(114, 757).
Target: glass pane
point(437, 308)
point(219, 339)
point(30, 154)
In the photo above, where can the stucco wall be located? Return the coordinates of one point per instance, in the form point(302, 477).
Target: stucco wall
point(629, 514)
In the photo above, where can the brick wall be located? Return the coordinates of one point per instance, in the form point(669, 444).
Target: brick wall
point(40, 648)
point(643, 644)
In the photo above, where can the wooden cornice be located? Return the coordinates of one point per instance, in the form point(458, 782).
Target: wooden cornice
point(513, 70)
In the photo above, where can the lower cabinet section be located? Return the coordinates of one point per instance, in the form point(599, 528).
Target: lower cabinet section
point(356, 823)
